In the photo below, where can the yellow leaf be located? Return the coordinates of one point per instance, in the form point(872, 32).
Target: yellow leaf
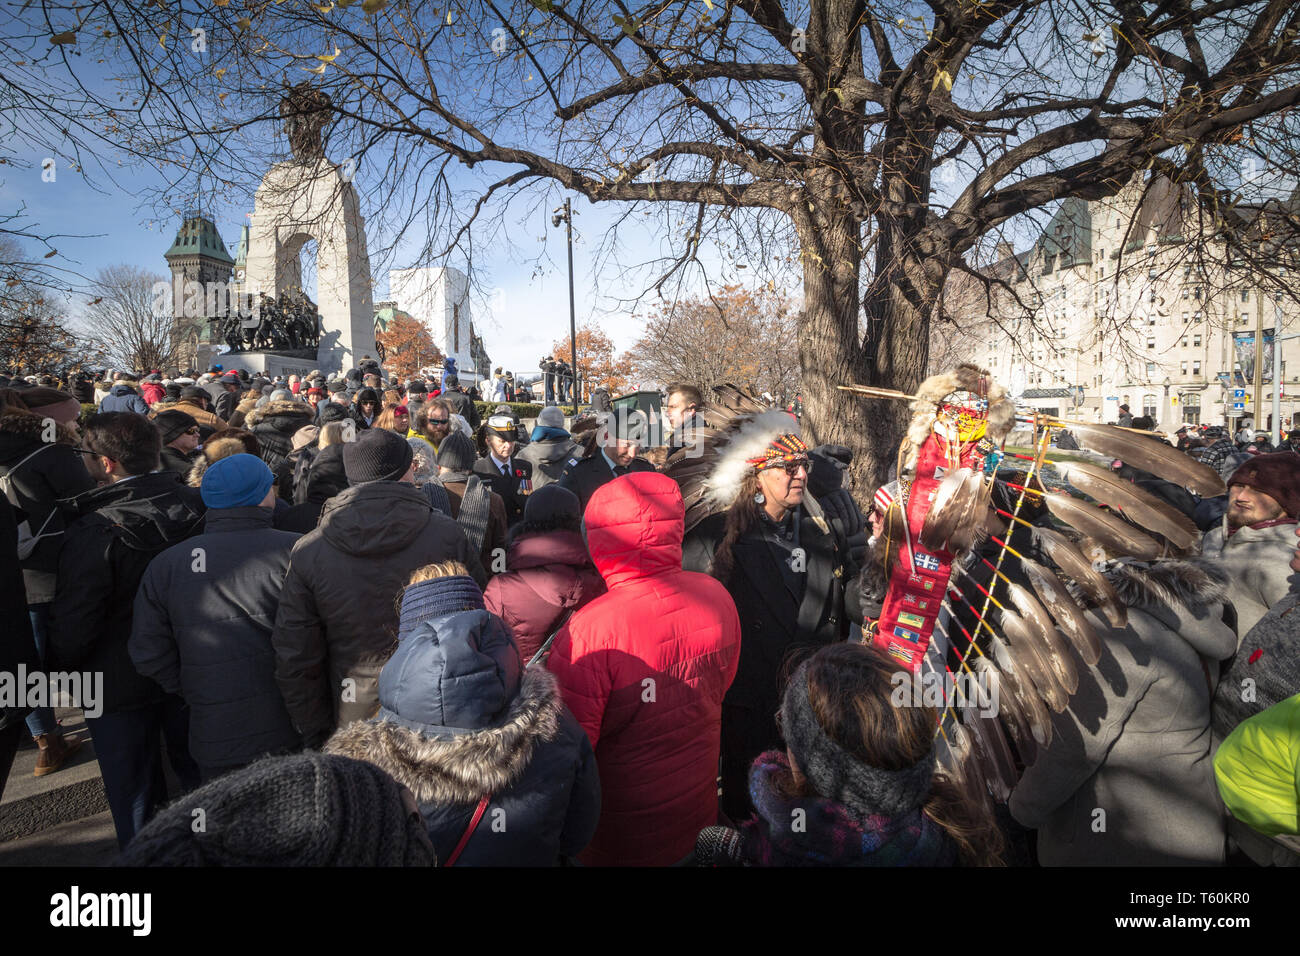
point(243, 23)
point(219, 73)
point(222, 96)
point(373, 6)
point(220, 3)
point(944, 77)
point(324, 10)
point(317, 70)
point(449, 17)
point(709, 4)
point(331, 57)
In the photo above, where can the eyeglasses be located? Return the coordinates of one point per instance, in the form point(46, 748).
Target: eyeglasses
point(439, 421)
point(192, 431)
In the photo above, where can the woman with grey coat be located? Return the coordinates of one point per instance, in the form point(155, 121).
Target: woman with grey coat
point(1128, 778)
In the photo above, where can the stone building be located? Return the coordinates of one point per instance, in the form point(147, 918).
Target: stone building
point(1114, 305)
point(201, 270)
point(439, 297)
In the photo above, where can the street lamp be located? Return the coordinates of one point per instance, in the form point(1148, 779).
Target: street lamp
point(1168, 411)
point(566, 217)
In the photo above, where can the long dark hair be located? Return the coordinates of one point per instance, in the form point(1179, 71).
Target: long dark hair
point(741, 518)
point(850, 687)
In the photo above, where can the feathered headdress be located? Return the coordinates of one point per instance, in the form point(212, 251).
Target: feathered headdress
point(737, 431)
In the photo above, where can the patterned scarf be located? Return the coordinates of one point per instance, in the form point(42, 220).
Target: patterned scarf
point(813, 831)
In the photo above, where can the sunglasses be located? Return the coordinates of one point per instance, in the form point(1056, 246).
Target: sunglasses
point(192, 431)
point(791, 468)
point(439, 421)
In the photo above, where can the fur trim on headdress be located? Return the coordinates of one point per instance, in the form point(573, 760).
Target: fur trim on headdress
point(749, 443)
point(964, 378)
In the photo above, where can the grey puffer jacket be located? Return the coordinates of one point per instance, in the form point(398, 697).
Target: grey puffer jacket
point(461, 719)
point(337, 620)
point(1128, 778)
point(206, 635)
point(1258, 562)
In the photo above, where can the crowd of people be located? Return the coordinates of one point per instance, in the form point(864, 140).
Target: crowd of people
point(448, 639)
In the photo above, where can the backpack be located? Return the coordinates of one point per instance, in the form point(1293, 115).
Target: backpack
point(27, 539)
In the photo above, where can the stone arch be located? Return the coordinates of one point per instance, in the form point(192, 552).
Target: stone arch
point(298, 202)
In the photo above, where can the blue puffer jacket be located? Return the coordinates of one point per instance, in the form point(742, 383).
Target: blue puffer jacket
point(123, 398)
point(460, 717)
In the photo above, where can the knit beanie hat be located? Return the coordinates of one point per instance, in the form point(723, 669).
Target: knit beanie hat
point(52, 403)
point(172, 424)
point(237, 481)
point(334, 412)
point(838, 775)
point(336, 386)
point(281, 395)
point(309, 809)
point(552, 504)
point(1276, 475)
point(456, 452)
point(377, 455)
point(551, 417)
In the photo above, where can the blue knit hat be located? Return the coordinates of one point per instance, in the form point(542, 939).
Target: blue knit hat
point(239, 481)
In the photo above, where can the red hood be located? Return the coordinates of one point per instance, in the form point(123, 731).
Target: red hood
point(634, 527)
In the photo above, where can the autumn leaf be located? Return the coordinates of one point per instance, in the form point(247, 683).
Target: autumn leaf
point(373, 6)
point(944, 77)
point(51, 253)
point(64, 38)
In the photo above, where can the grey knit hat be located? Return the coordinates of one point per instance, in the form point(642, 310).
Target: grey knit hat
point(838, 775)
point(456, 452)
point(309, 809)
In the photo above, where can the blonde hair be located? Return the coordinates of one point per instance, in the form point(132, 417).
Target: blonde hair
point(332, 434)
point(443, 569)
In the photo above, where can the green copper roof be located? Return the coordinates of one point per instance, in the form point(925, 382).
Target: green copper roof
point(198, 236)
point(1068, 235)
point(241, 250)
point(386, 315)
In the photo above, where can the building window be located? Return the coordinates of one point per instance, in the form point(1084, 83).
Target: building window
point(1245, 318)
point(1196, 368)
point(1151, 319)
point(1182, 368)
point(1196, 341)
point(1149, 408)
point(1196, 318)
point(1151, 370)
point(1151, 342)
point(1245, 295)
point(1196, 293)
point(1185, 292)
point(1184, 341)
point(1101, 272)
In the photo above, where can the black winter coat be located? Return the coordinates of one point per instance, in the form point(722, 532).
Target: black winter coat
point(776, 632)
point(226, 403)
point(327, 476)
point(175, 460)
point(463, 406)
point(509, 488)
point(16, 644)
point(119, 529)
point(206, 635)
point(57, 472)
point(337, 618)
point(585, 476)
point(274, 425)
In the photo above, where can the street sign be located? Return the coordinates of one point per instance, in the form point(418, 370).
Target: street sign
point(1238, 393)
point(1238, 406)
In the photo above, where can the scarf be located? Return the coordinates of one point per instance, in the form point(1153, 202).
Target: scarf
point(832, 834)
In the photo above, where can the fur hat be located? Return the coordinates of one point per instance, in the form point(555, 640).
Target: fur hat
point(1276, 475)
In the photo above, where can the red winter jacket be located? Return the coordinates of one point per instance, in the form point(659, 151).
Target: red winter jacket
point(152, 392)
point(549, 573)
point(644, 668)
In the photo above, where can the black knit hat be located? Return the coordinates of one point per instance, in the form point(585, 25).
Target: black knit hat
point(336, 386)
point(456, 452)
point(195, 391)
point(310, 809)
point(552, 504)
point(377, 455)
point(835, 773)
point(172, 424)
point(333, 412)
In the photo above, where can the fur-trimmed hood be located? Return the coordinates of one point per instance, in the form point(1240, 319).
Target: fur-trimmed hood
point(290, 410)
point(214, 450)
point(460, 768)
point(29, 426)
point(964, 378)
point(1191, 583)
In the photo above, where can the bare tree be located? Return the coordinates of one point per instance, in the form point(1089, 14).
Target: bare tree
point(740, 336)
point(131, 318)
point(872, 147)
